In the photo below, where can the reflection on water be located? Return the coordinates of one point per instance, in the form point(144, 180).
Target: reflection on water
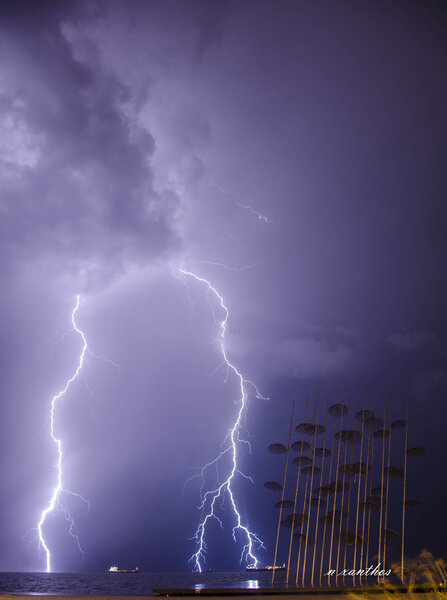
point(252, 584)
point(200, 586)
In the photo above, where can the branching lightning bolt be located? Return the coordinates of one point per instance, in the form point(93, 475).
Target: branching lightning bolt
point(227, 268)
point(253, 211)
point(260, 216)
point(209, 499)
point(59, 495)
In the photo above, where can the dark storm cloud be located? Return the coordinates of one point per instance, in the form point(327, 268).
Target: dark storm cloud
point(406, 341)
point(133, 133)
point(77, 184)
point(211, 22)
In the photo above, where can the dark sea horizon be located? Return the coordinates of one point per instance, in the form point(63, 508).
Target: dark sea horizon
point(124, 584)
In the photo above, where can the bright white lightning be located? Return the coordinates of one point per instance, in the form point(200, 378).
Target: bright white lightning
point(260, 216)
point(226, 267)
point(59, 494)
point(210, 498)
point(255, 212)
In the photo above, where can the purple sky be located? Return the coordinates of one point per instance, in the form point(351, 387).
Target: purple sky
point(133, 137)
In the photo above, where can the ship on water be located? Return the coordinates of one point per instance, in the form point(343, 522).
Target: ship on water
point(114, 569)
point(253, 568)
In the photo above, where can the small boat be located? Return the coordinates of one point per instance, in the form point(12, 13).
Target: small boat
point(197, 571)
point(252, 567)
point(114, 569)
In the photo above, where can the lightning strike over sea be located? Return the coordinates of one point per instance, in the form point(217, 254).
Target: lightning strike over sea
point(59, 495)
point(209, 499)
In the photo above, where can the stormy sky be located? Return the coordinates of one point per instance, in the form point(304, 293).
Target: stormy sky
point(290, 152)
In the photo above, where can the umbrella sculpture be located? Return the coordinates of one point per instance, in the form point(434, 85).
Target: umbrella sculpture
point(374, 423)
point(302, 537)
point(310, 428)
point(301, 446)
point(310, 469)
point(337, 514)
point(399, 424)
point(298, 518)
point(364, 415)
point(416, 451)
point(337, 410)
point(336, 486)
point(348, 436)
point(301, 460)
point(414, 502)
point(277, 448)
point(317, 502)
point(380, 434)
point(395, 472)
point(273, 485)
point(284, 504)
point(348, 476)
point(371, 503)
point(355, 468)
point(391, 534)
point(320, 452)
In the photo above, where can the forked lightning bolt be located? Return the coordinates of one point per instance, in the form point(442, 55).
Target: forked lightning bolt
point(260, 216)
point(233, 439)
point(59, 494)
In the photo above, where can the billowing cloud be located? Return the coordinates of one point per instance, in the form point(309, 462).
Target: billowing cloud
point(77, 181)
point(308, 358)
point(410, 341)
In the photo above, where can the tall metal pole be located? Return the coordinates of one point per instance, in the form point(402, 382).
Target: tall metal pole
point(403, 501)
point(364, 498)
point(358, 493)
point(327, 505)
point(296, 494)
point(335, 497)
point(319, 493)
point(283, 490)
point(381, 491)
point(387, 494)
point(310, 489)
point(302, 527)
point(347, 518)
point(370, 488)
point(342, 502)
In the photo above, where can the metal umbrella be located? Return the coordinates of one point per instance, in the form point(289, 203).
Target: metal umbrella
point(364, 415)
point(395, 472)
point(273, 485)
point(310, 428)
point(284, 504)
point(300, 446)
point(374, 423)
point(301, 460)
point(320, 452)
point(416, 451)
point(337, 410)
point(277, 448)
point(348, 436)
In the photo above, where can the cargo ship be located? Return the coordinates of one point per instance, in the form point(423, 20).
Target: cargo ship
point(253, 568)
point(114, 569)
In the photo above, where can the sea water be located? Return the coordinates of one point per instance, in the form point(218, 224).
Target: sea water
point(127, 584)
